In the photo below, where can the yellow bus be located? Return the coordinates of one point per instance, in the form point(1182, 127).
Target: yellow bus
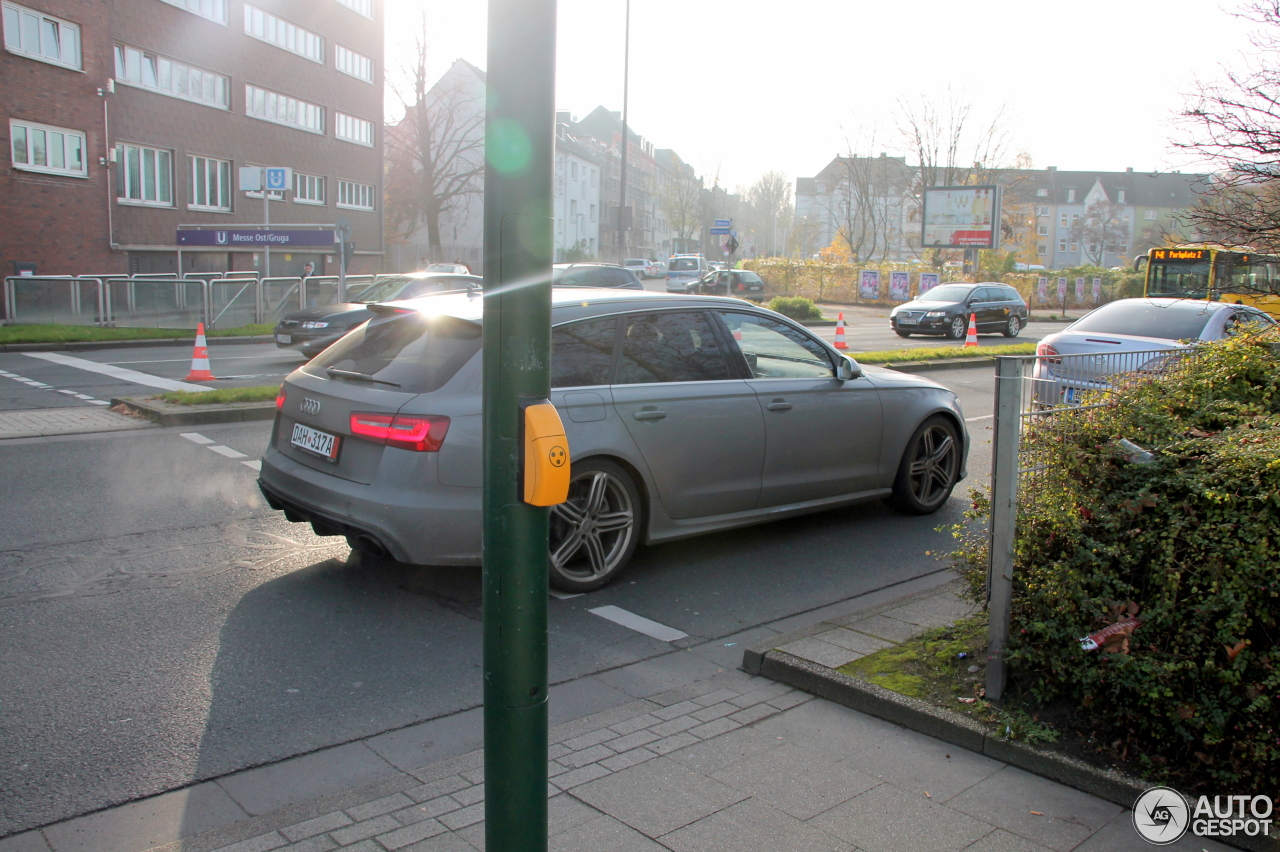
point(1213, 272)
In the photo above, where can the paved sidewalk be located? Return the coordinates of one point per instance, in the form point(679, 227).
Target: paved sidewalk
point(45, 422)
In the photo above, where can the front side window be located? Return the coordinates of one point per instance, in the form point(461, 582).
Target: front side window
point(39, 36)
point(209, 184)
point(775, 350)
point(582, 353)
point(170, 77)
point(144, 175)
point(43, 148)
point(670, 347)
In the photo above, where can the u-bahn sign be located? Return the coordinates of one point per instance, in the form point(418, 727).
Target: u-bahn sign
point(255, 237)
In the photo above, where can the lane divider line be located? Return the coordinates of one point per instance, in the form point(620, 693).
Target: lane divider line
point(638, 623)
point(197, 438)
point(254, 464)
point(227, 451)
point(115, 372)
point(563, 596)
point(210, 444)
point(42, 386)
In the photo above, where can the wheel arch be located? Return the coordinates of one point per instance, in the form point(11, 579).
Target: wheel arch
point(637, 478)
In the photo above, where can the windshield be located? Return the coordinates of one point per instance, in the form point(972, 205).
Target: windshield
point(419, 352)
point(947, 293)
point(635, 262)
point(1179, 280)
point(394, 287)
point(1170, 321)
point(683, 264)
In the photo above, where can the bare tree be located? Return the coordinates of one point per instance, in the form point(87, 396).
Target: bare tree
point(953, 146)
point(1235, 123)
point(1100, 230)
point(681, 200)
point(770, 199)
point(435, 155)
point(865, 197)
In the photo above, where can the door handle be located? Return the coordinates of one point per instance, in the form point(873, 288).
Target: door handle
point(649, 414)
point(779, 405)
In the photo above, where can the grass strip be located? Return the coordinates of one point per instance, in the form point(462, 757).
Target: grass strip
point(221, 396)
point(48, 333)
point(935, 353)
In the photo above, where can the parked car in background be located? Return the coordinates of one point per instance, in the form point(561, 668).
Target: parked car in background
point(736, 282)
point(459, 268)
point(684, 270)
point(659, 269)
point(1130, 336)
point(684, 415)
point(946, 310)
point(641, 267)
point(314, 329)
point(608, 275)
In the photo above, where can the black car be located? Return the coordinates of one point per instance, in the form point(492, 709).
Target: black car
point(315, 329)
point(735, 282)
point(946, 309)
point(608, 275)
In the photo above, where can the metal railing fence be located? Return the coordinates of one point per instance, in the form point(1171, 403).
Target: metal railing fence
point(56, 299)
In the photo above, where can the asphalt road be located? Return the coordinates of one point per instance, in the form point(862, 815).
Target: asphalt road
point(162, 625)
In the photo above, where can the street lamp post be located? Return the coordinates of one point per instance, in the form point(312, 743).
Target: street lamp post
point(623, 224)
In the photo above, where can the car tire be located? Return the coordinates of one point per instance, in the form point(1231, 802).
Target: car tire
point(901, 333)
point(1013, 326)
point(929, 469)
point(583, 556)
point(959, 327)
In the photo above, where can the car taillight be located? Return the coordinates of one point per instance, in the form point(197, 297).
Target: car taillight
point(1044, 350)
point(280, 398)
point(420, 433)
point(741, 286)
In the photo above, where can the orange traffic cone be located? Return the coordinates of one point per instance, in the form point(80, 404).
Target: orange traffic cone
point(840, 344)
point(971, 339)
point(200, 360)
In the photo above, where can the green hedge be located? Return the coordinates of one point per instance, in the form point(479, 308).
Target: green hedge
point(1191, 540)
point(795, 307)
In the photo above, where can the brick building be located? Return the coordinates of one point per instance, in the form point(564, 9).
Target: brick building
point(126, 118)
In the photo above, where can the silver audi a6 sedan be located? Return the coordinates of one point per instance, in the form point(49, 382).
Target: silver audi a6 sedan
point(684, 415)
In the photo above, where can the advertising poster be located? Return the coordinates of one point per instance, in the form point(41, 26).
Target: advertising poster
point(1097, 290)
point(961, 217)
point(899, 286)
point(1042, 291)
point(928, 280)
point(1062, 290)
point(869, 287)
point(1079, 290)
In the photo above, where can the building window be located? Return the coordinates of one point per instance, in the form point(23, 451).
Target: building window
point(1043, 231)
point(42, 148)
point(573, 170)
point(593, 212)
point(593, 177)
point(352, 129)
point(357, 196)
point(214, 10)
point(1042, 249)
point(1119, 196)
point(1075, 247)
point(1071, 196)
point(1151, 215)
point(144, 175)
point(308, 189)
point(282, 109)
point(210, 184)
point(1042, 210)
point(1042, 193)
point(158, 74)
point(364, 7)
point(281, 33)
point(355, 64)
point(573, 209)
point(41, 37)
point(1062, 245)
point(1062, 221)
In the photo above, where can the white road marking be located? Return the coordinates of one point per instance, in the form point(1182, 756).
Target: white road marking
point(83, 396)
point(563, 596)
point(73, 393)
point(638, 623)
point(227, 451)
point(99, 402)
point(288, 357)
point(976, 419)
point(116, 372)
point(255, 464)
point(196, 437)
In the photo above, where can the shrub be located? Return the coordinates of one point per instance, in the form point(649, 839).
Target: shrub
point(1192, 539)
point(795, 307)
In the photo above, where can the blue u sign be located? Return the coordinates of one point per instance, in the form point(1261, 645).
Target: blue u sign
point(277, 178)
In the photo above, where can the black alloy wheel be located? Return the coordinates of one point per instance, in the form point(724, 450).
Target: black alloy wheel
point(1014, 326)
point(595, 531)
point(959, 327)
point(901, 333)
point(929, 468)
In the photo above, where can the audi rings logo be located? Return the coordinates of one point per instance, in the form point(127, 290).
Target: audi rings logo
point(1161, 816)
point(310, 406)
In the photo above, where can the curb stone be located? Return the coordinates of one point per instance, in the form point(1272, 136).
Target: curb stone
point(82, 345)
point(168, 414)
point(936, 364)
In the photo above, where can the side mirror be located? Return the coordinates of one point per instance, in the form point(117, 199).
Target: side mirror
point(847, 370)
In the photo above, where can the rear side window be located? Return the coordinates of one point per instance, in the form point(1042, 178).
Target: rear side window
point(621, 278)
point(671, 347)
point(749, 278)
point(683, 264)
point(418, 352)
point(582, 353)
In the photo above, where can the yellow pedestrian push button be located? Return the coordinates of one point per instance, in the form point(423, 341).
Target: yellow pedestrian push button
point(546, 456)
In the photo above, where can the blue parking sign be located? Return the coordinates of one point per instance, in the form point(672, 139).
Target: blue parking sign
point(277, 178)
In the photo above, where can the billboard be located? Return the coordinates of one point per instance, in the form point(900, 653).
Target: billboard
point(869, 285)
point(899, 286)
point(256, 237)
point(1042, 291)
point(928, 280)
point(961, 217)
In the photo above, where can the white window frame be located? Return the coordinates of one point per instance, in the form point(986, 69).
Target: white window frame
point(1062, 245)
point(349, 128)
point(1151, 215)
point(266, 105)
point(161, 163)
point(1042, 231)
point(1042, 249)
point(1062, 221)
point(1119, 196)
point(356, 196)
point(360, 7)
point(212, 10)
point(1071, 196)
point(169, 77)
point(304, 187)
point(1074, 247)
point(352, 63)
point(1042, 193)
point(222, 174)
point(65, 36)
point(1042, 210)
point(28, 164)
point(286, 35)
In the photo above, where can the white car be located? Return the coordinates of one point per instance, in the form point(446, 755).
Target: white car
point(640, 266)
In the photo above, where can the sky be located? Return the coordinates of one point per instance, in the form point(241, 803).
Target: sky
point(740, 89)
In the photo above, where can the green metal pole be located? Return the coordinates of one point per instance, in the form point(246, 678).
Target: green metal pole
point(519, 140)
